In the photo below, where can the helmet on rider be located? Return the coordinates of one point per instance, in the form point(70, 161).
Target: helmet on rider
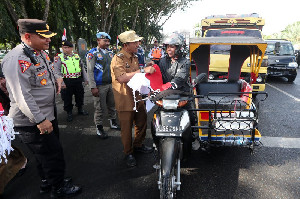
point(177, 40)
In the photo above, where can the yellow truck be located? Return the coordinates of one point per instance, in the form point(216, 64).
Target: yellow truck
point(246, 25)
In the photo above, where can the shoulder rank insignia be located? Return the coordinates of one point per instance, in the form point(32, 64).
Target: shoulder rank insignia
point(24, 65)
point(43, 82)
point(120, 55)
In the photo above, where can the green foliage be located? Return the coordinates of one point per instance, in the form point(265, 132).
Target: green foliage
point(84, 18)
point(291, 33)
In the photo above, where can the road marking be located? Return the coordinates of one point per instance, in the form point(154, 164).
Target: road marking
point(291, 96)
point(281, 142)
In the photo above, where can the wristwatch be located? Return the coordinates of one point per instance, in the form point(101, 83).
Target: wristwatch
point(142, 70)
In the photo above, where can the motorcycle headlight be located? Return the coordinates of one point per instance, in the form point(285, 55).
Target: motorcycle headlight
point(170, 104)
point(293, 64)
point(259, 79)
point(211, 76)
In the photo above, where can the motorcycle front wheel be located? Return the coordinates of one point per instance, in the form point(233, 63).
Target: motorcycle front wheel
point(168, 188)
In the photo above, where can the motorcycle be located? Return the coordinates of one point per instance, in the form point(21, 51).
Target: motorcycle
point(172, 136)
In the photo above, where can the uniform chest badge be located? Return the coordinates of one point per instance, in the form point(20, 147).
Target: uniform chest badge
point(43, 82)
point(90, 56)
point(42, 74)
point(24, 65)
point(99, 56)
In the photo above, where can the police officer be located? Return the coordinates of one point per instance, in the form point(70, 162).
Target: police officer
point(98, 67)
point(123, 67)
point(69, 66)
point(31, 81)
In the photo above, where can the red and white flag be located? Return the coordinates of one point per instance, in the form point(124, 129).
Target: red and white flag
point(64, 37)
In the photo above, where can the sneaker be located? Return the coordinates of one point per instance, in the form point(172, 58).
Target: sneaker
point(130, 160)
point(101, 133)
point(143, 149)
point(113, 124)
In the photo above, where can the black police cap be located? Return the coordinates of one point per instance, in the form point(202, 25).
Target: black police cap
point(35, 26)
point(67, 43)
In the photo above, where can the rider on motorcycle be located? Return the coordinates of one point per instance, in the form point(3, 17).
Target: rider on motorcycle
point(175, 68)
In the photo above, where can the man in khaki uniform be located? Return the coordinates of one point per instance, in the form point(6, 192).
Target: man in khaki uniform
point(123, 67)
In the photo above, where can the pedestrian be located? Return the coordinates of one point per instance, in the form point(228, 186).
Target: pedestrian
point(99, 75)
point(124, 66)
point(70, 67)
point(141, 55)
point(156, 53)
point(32, 85)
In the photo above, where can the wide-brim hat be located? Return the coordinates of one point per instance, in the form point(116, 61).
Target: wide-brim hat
point(35, 26)
point(129, 36)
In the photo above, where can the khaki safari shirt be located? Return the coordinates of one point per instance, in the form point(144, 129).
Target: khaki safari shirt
point(122, 63)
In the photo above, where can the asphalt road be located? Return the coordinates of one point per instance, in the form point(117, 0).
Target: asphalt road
point(273, 171)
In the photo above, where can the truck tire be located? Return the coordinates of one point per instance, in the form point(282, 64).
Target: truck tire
point(291, 78)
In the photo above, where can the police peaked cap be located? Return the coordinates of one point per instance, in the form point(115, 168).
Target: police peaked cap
point(103, 35)
point(35, 26)
point(67, 43)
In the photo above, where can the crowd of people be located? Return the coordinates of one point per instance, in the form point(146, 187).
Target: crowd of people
point(33, 82)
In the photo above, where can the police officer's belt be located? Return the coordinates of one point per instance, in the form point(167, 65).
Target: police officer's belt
point(72, 75)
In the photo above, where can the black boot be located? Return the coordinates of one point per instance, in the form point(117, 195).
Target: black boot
point(81, 111)
point(69, 116)
point(65, 190)
point(45, 186)
point(114, 124)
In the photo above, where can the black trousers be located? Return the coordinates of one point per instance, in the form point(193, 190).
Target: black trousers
point(73, 87)
point(47, 151)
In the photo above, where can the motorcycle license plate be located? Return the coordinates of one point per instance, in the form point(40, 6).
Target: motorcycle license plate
point(164, 128)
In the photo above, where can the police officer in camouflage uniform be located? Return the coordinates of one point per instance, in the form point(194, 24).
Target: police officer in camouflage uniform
point(98, 68)
point(32, 85)
point(69, 66)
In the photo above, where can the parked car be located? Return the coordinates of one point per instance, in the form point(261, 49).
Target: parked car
point(281, 59)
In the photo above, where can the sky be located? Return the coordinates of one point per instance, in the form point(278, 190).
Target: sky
point(277, 14)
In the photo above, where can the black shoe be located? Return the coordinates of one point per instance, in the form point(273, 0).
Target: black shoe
point(101, 133)
point(45, 187)
point(65, 191)
point(114, 125)
point(70, 117)
point(82, 112)
point(143, 149)
point(130, 160)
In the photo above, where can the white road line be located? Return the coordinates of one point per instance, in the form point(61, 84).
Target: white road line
point(291, 96)
point(281, 142)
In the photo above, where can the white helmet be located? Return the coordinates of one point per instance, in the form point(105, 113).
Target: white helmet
point(177, 40)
